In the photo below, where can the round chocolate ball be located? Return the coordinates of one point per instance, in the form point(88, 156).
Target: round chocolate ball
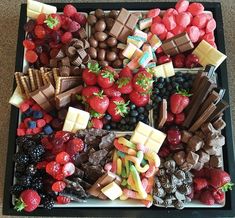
point(103, 63)
point(91, 19)
point(111, 56)
point(93, 42)
point(115, 49)
point(93, 31)
point(99, 13)
point(100, 36)
point(92, 52)
point(111, 41)
point(120, 55)
point(109, 22)
point(113, 14)
point(117, 63)
point(101, 54)
point(100, 26)
point(102, 45)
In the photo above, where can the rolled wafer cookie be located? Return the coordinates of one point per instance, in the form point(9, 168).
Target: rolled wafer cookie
point(18, 82)
point(32, 79)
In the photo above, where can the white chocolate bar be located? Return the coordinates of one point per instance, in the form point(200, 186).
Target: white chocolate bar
point(207, 54)
point(75, 120)
point(164, 70)
point(148, 136)
point(17, 98)
point(112, 191)
point(129, 50)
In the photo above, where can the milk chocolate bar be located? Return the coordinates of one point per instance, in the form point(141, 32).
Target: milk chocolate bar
point(65, 83)
point(148, 136)
point(220, 108)
point(219, 124)
point(63, 99)
point(162, 114)
point(75, 120)
point(197, 81)
point(123, 25)
point(177, 44)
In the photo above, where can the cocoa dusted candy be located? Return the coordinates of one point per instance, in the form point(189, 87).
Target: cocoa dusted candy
point(109, 22)
point(219, 124)
point(103, 45)
point(195, 143)
point(179, 157)
point(185, 136)
point(101, 54)
point(92, 52)
point(103, 63)
point(111, 56)
point(93, 42)
point(216, 162)
point(198, 166)
point(216, 140)
point(203, 156)
point(101, 36)
point(207, 128)
point(111, 41)
point(192, 158)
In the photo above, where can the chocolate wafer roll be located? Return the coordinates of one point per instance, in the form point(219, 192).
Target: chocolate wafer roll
point(26, 85)
point(32, 79)
point(78, 44)
point(18, 82)
point(77, 61)
point(60, 54)
point(86, 43)
point(39, 79)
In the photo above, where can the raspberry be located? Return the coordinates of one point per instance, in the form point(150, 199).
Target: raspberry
point(163, 35)
point(29, 131)
point(210, 26)
point(74, 26)
point(48, 118)
point(178, 30)
point(41, 18)
point(62, 135)
point(36, 107)
point(202, 33)
point(63, 200)
point(195, 8)
point(44, 59)
point(65, 22)
point(58, 186)
point(55, 45)
point(193, 33)
point(37, 130)
point(200, 183)
point(53, 168)
point(159, 50)
point(164, 152)
point(46, 143)
point(62, 158)
point(68, 169)
point(28, 44)
point(80, 18)
point(157, 19)
point(200, 21)
point(203, 173)
point(158, 28)
point(31, 56)
point(206, 197)
point(66, 37)
point(22, 125)
point(59, 176)
point(181, 6)
point(153, 13)
point(170, 11)
point(178, 62)
point(183, 19)
point(74, 146)
point(169, 22)
point(69, 10)
point(40, 31)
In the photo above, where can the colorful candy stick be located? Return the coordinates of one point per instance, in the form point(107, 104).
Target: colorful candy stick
point(124, 149)
point(141, 147)
point(138, 183)
point(114, 164)
point(135, 195)
point(151, 155)
point(121, 154)
point(123, 174)
point(144, 182)
point(136, 161)
point(130, 181)
point(150, 185)
point(140, 156)
point(127, 165)
point(119, 166)
point(124, 182)
point(122, 140)
point(151, 171)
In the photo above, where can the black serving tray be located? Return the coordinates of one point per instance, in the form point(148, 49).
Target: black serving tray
point(227, 211)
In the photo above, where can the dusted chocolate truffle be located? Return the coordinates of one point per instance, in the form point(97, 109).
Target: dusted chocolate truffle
point(91, 19)
point(111, 56)
point(101, 54)
point(100, 36)
point(99, 13)
point(113, 14)
point(93, 42)
point(100, 26)
point(111, 41)
point(92, 52)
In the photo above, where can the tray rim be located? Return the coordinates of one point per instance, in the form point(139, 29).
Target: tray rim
point(227, 211)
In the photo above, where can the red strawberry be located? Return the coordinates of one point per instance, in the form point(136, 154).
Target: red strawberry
point(142, 82)
point(89, 75)
point(95, 123)
point(88, 91)
point(179, 118)
point(126, 72)
point(29, 200)
point(106, 77)
point(73, 26)
point(117, 108)
point(139, 99)
point(65, 21)
point(62, 199)
point(112, 92)
point(203, 173)
point(207, 198)
point(69, 10)
point(99, 102)
point(179, 60)
point(218, 195)
point(170, 117)
point(80, 18)
point(53, 21)
point(220, 179)
point(199, 184)
point(179, 101)
point(124, 85)
point(163, 59)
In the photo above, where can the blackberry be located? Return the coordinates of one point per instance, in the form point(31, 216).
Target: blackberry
point(20, 142)
point(24, 181)
point(31, 170)
point(140, 110)
point(16, 189)
point(28, 145)
point(48, 202)
point(36, 152)
point(20, 168)
point(21, 158)
point(37, 183)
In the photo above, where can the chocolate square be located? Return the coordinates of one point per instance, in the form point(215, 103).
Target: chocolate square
point(123, 16)
point(124, 34)
point(132, 21)
point(116, 29)
point(185, 47)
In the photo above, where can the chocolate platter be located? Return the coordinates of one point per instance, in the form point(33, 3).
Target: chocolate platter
point(94, 207)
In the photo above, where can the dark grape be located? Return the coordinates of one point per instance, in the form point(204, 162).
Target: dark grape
point(29, 26)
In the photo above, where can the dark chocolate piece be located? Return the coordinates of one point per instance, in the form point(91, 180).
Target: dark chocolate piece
point(220, 108)
point(66, 83)
point(219, 124)
point(195, 143)
point(185, 136)
point(212, 150)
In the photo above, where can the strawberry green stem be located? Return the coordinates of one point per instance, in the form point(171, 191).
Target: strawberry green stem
point(93, 67)
point(227, 186)
point(51, 22)
point(121, 108)
point(19, 204)
point(182, 92)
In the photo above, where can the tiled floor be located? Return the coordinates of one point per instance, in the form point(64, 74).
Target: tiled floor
point(9, 17)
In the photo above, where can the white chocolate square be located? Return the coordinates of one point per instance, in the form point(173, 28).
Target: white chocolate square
point(34, 6)
point(138, 138)
point(72, 114)
point(153, 145)
point(143, 128)
point(112, 191)
point(48, 9)
point(32, 14)
point(68, 126)
point(157, 136)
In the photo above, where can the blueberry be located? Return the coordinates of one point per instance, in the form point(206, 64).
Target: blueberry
point(140, 109)
point(107, 117)
point(113, 125)
point(107, 127)
point(186, 85)
point(134, 113)
point(167, 93)
point(156, 91)
point(167, 80)
point(132, 106)
point(160, 85)
point(160, 80)
point(133, 120)
point(163, 90)
point(169, 87)
point(178, 73)
point(172, 79)
point(127, 119)
point(123, 121)
point(179, 80)
point(141, 117)
point(148, 107)
point(155, 106)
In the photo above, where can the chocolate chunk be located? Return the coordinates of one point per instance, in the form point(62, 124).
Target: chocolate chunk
point(97, 156)
point(216, 140)
point(216, 162)
point(212, 150)
point(198, 166)
point(92, 173)
point(203, 156)
point(192, 158)
point(220, 108)
point(179, 157)
point(186, 166)
point(207, 128)
point(185, 136)
point(107, 140)
point(219, 124)
point(200, 134)
point(195, 143)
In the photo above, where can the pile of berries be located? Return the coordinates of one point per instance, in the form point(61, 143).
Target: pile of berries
point(46, 35)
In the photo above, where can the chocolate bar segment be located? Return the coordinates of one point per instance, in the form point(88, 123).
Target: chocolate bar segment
point(65, 83)
point(220, 108)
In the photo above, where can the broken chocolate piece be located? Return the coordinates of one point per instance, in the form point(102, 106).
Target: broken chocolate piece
point(179, 157)
point(195, 143)
point(192, 158)
point(212, 150)
point(107, 140)
point(186, 166)
point(219, 124)
point(185, 136)
point(216, 162)
point(97, 156)
point(203, 156)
